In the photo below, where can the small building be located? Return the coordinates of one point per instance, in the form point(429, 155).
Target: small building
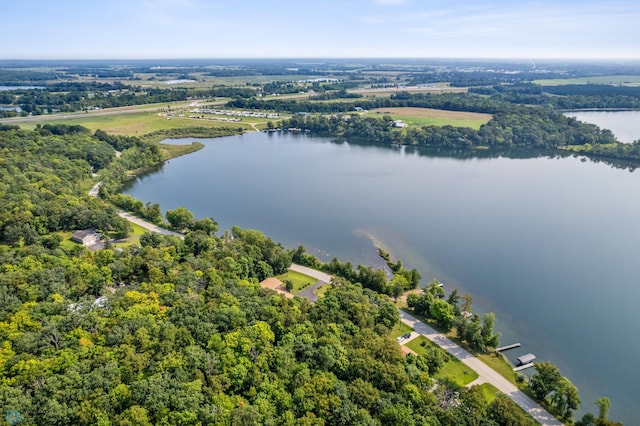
point(526, 359)
point(400, 123)
point(86, 237)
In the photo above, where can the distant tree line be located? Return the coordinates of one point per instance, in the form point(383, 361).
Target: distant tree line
point(39, 101)
point(576, 96)
point(447, 101)
point(14, 77)
point(338, 94)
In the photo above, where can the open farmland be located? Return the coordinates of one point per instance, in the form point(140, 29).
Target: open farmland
point(433, 117)
point(388, 91)
point(623, 80)
point(138, 124)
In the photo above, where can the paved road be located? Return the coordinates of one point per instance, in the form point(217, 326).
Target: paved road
point(486, 373)
point(133, 219)
point(150, 226)
point(308, 293)
point(320, 276)
point(93, 192)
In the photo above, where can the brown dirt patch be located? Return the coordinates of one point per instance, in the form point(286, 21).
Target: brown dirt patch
point(402, 300)
point(277, 286)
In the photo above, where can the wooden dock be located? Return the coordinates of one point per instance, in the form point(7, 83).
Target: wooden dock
point(523, 367)
point(506, 348)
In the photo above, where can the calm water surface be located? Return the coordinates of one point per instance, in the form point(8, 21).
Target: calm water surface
point(6, 88)
point(624, 124)
point(549, 244)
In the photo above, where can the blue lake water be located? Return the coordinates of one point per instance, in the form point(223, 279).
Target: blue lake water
point(550, 244)
point(6, 88)
point(624, 124)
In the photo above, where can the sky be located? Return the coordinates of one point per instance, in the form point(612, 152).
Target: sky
point(152, 29)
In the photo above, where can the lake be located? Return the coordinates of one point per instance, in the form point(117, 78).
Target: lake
point(7, 88)
point(624, 124)
point(550, 244)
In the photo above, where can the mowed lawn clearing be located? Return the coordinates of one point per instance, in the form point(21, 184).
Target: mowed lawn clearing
point(453, 368)
point(489, 392)
point(400, 329)
point(300, 281)
point(432, 117)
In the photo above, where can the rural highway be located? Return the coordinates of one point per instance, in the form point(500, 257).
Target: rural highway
point(486, 373)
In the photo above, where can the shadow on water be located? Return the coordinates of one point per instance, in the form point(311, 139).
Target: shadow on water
point(490, 152)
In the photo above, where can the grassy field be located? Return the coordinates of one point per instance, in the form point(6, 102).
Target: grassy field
point(204, 81)
point(400, 329)
point(300, 281)
point(435, 117)
point(498, 363)
point(320, 291)
point(388, 91)
point(489, 392)
point(453, 369)
point(173, 151)
point(626, 80)
point(134, 236)
point(136, 230)
point(66, 242)
point(458, 372)
point(138, 123)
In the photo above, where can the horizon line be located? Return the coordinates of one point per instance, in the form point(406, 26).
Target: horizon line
point(404, 58)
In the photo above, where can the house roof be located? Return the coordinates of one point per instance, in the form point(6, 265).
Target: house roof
point(525, 359)
point(82, 234)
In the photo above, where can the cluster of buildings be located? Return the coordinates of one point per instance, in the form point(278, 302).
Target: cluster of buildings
point(226, 119)
point(251, 114)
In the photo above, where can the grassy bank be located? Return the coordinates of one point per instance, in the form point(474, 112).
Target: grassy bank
point(190, 132)
point(496, 362)
point(173, 151)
